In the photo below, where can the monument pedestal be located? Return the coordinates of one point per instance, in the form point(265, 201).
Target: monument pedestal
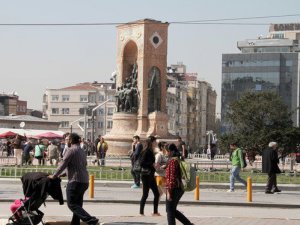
point(119, 139)
point(158, 124)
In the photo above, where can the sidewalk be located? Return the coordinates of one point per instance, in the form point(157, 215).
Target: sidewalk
point(210, 194)
point(115, 203)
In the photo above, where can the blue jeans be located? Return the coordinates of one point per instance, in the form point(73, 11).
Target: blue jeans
point(235, 174)
point(75, 192)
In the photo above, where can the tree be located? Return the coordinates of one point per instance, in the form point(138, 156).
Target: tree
point(258, 118)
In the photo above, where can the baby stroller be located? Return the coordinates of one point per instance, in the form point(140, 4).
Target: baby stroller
point(36, 187)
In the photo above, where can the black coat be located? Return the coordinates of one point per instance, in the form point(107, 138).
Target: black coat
point(270, 161)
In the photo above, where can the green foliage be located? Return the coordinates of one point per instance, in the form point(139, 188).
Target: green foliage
point(258, 118)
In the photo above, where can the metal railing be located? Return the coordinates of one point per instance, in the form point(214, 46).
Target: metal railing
point(125, 175)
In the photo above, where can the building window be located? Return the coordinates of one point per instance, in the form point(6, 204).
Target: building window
point(92, 97)
point(64, 124)
point(109, 124)
point(111, 97)
point(54, 98)
point(101, 111)
point(65, 111)
point(83, 98)
point(55, 110)
point(101, 98)
point(100, 125)
point(110, 111)
point(66, 98)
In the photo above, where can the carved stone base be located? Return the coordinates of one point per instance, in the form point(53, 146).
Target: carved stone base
point(119, 138)
point(158, 124)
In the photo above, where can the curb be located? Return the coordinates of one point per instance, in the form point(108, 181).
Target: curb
point(193, 203)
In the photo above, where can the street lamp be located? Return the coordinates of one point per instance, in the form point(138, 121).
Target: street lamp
point(93, 118)
point(75, 122)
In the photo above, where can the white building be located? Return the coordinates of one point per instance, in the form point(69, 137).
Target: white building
point(73, 108)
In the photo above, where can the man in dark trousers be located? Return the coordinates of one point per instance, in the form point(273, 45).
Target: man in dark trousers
point(137, 148)
point(74, 162)
point(270, 166)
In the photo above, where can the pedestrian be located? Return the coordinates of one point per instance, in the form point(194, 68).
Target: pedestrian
point(160, 167)
point(182, 147)
point(147, 175)
point(17, 144)
point(270, 166)
point(137, 148)
point(237, 163)
point(96, 144)
point(65, 144)
point(53, 152)
point(39, 152)
point(102, 148)
point(84, 146)
point(26, 153)
point(174, 187)
point(74, 161)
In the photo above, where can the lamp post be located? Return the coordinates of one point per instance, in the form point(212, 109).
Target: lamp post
point(75, 122)
point(93, 118)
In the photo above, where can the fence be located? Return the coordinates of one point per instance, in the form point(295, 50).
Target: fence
point(125, 175)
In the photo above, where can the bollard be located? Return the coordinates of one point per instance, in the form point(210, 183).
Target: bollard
point(92, 186)
point(197, 189)
point(249, 189)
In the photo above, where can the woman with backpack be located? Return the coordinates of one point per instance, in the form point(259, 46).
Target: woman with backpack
point(174, 187)
point(147, 162)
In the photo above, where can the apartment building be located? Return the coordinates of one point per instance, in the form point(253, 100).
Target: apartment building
point(81, 108)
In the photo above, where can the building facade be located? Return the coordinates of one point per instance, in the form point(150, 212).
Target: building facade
point(191, 106)
point(81, 108)
point(264, 64)
point(11, 105)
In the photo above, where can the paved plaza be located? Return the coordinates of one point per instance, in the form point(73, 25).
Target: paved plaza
point(117, 203)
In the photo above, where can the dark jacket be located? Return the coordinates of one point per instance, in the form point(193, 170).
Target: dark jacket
point(147, 160)
point(270, 161)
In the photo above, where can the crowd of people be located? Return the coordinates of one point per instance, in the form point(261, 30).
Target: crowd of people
point(25, 150)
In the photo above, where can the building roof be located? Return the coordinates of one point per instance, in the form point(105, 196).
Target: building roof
point(25, 118)
point(81, 87)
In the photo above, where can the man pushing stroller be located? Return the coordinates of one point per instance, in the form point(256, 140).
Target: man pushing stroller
point(74, 161)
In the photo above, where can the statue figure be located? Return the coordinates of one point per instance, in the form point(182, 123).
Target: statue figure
point(154, 92)
point(128, 98)
point(134, 72)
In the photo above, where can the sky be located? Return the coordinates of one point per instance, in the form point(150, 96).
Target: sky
point(34, 58)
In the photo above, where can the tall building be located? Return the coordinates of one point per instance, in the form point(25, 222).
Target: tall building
point(191, 106)
point(77, 108)
point(264, 64)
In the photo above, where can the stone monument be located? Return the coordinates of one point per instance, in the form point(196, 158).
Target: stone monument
point(141, 84)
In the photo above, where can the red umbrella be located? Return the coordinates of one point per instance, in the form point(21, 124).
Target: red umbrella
point(8, 134)
point(48, 135)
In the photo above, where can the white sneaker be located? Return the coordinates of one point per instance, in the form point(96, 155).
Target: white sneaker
point(230, 190)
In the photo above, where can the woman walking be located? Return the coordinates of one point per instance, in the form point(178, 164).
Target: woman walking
point(174, 187)
point(147, 176)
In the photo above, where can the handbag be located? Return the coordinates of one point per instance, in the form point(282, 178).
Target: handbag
point(137, 166)
point(145, 171)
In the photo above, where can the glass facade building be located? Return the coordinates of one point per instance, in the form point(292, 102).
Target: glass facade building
point(258, 71)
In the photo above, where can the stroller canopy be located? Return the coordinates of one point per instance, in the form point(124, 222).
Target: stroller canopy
point(37, 186)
